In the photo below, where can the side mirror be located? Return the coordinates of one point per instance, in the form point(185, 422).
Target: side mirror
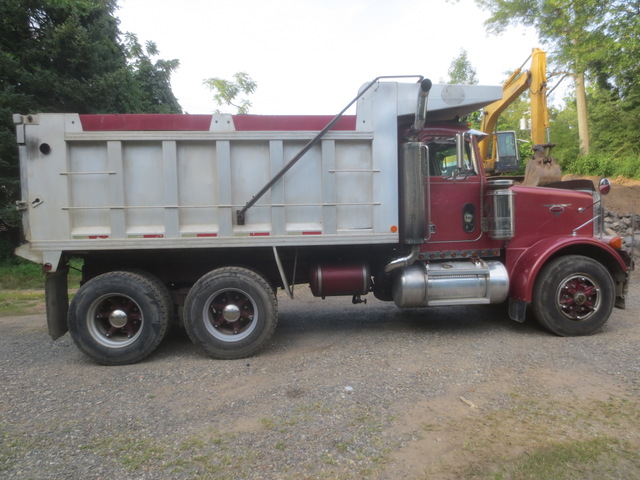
point(604, 186)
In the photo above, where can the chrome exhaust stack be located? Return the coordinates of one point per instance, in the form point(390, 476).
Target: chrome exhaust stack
point(412, 165)
point(411, 170)
point(421, 111)
point(403, 262)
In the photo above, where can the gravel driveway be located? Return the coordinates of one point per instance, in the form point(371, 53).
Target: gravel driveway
point(342, 391)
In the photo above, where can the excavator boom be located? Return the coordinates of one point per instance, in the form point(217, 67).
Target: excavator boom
point(535, 80)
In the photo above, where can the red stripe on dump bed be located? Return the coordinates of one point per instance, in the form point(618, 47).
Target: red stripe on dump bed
point(139, 122)
point(291, 122)
point(202, 123)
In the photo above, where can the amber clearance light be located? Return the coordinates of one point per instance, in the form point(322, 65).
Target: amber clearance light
point(616, 242)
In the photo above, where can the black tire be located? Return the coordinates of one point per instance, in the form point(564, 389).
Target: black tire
point(165, 294)
point(119, 318)
point(230, 313)
point(573, 295)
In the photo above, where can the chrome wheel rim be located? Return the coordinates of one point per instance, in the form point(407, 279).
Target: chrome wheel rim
point(115, 320)
point(578, 297)
point(230, 315)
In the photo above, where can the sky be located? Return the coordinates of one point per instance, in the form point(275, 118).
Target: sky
point(311, 56)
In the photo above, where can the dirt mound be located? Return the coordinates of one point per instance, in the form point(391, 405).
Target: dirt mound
point(624, 196)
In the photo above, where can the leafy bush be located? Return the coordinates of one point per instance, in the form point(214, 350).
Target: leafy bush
point(6, 250)
point(582, 165)
point(604, 165)
point(630, 166)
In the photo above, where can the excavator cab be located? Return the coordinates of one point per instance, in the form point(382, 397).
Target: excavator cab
point(507, 158)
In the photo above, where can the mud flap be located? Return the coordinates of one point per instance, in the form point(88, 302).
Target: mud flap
point(621, 281)
point(56, 291)
point(517, 309)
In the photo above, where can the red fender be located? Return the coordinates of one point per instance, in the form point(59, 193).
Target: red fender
point(524, 264)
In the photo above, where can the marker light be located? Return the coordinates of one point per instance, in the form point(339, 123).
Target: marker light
point(616, 242)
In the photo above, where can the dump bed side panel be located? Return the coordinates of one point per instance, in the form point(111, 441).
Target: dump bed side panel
point(181, 189)
point(176, 181)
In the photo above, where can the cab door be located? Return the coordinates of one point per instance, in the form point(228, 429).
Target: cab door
point(453, 195)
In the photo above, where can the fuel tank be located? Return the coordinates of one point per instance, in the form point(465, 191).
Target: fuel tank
point(337, 280)
point(451, 283)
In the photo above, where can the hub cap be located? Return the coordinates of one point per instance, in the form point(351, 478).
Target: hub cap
point(118, 319)
point(578, 297)
point(231, 315)
point(115, 320)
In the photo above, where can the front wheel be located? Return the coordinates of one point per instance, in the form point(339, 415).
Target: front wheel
point(574, 295)
point(230, 312)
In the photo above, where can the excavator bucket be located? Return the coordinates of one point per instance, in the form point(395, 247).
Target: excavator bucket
point(542, 169)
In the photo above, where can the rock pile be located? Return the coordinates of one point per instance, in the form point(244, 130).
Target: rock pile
point(623, 225)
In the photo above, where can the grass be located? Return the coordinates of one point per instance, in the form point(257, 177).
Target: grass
point(546, 438)
point(22, 286)
point(23, 275)
point(11, 447)
point(21, 302)
point(199, 456)
point(132, 451)
point(568, 460)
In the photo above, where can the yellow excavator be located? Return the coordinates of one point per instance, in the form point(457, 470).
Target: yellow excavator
point(499, 149)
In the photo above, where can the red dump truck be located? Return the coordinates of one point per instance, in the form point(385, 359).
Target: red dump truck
point(199, 219)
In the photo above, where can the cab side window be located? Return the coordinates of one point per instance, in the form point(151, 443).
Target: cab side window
point(443, 160)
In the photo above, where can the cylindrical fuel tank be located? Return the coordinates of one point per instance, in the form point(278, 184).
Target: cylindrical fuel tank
point(336, 280)
point(451, 283)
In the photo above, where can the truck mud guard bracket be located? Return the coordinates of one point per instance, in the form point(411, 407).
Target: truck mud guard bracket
point(240, 214)
point(288, 287)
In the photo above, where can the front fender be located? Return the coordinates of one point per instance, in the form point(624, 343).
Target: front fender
point(524, 264)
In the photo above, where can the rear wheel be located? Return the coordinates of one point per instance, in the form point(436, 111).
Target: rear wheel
point(165, 294)
point(230, 312)
point(119, 318)
point(574, 295)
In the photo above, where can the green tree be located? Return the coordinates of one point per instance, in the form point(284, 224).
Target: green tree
point(563, 129)
point(229, 92)
point(561, 23)
point(68, 56)
point(596, 40)
point(461, 71)
point(151, 80)
point(614, 96)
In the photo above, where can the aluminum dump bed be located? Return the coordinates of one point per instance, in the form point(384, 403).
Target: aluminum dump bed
point(116, 182)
